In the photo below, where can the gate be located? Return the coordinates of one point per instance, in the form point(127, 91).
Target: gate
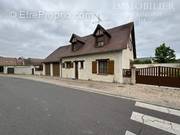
point(161, 76)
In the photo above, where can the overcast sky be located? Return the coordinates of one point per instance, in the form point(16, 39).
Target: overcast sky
point(35, 28)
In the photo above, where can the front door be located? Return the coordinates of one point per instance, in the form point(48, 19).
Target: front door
point(47, 69)
point(76, 70)
point(32, 71)
point(55, 69)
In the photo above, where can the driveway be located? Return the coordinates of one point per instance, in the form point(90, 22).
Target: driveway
point(35, 108)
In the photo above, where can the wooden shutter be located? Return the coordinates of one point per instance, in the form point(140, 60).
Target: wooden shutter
point(94, 67)
point(111, 67)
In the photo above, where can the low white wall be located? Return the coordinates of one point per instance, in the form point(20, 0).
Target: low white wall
point(27, 70)
point(23, 70)
point(158, 64)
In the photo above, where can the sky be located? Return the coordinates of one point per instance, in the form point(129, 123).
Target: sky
point(35, 28)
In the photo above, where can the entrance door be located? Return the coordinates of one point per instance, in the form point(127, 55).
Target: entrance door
point(47, 69)
point(55, 69)
point(76, 70)
point(32, 71)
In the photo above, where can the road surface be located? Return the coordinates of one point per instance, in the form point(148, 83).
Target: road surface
point(35, 108)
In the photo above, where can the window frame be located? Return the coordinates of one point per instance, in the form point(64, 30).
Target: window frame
point(64, 65)
point(103, 67)
point(100, 41)
point(68, 64)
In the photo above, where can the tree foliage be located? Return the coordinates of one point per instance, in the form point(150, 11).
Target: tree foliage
point(164, 54)
point(142, 61)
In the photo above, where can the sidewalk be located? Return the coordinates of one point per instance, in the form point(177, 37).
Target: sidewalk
point(163, 96)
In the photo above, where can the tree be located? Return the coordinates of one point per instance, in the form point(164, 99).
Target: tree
point(142, 61)
point(164, 54)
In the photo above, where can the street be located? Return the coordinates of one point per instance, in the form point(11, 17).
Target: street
point(36, 108)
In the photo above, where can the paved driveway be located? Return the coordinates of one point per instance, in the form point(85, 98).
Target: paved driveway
point(34, 108)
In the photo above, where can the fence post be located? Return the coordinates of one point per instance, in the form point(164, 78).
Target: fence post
point(133, 75)
point(159, 74)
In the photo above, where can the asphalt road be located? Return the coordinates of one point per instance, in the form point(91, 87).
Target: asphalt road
point(34, 108)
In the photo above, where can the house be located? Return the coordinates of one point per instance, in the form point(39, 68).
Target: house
point(7, 61)
point(21, 66)
point(100, 56)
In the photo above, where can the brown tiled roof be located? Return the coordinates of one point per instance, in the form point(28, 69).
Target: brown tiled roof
point(33, 61)
point(118, 41)
point(7, 61)
point(36, 62)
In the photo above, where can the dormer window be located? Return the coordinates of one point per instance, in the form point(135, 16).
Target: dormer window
point(100, 44)
point(101, 36)
point(100, 41)
point(76, 42)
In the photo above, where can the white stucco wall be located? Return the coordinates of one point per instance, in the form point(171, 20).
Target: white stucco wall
point(5, 69)
point(127, 56)
point(23, 70)
point(86, 72)
point(51, 69)
point(27, 70)
point(60, 70)
point(44, 72)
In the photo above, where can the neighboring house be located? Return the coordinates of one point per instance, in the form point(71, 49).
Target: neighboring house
point(20, 66)
point(101, 56)
point(6, 61)
point(36, 63)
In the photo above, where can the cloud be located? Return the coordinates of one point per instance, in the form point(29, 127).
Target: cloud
point(38, 37)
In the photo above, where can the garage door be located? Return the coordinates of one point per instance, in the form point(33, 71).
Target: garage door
point(55, 69)
point(10, 70)
point(1, 69)
point(47, 69)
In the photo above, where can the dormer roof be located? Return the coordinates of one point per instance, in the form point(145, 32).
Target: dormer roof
point(74, 38)
point(104, 31)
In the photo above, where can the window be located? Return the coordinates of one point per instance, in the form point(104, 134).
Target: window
point(100, 41)
point(76, 46)
point(63, 65)
point(39, 68)
point(82, 64)
point(102, 66)
point(68, 64)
